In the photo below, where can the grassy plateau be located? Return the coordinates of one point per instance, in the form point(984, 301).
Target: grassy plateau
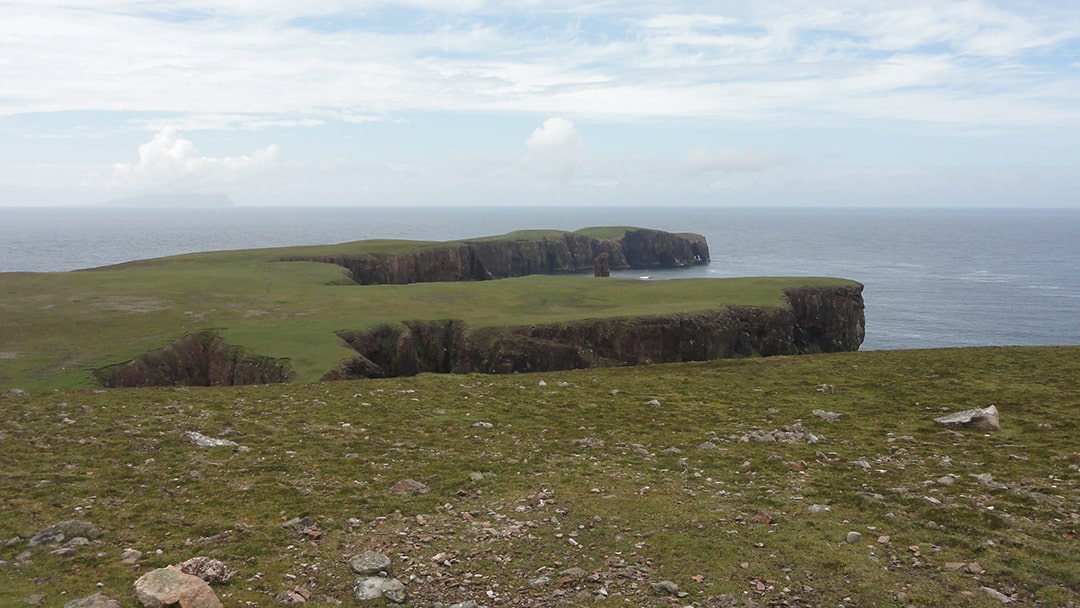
point(582, 488)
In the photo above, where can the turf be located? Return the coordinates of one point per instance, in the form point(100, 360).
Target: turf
point(577, 470)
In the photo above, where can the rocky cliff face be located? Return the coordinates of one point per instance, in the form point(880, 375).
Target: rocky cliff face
point(816, 320)
point(196, 360)
point(502, 258)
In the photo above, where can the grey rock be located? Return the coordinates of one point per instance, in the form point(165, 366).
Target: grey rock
point(208, 442)
point(932, 500)
point(476, 476)
point(987, 480)
point(169, 587)
point(34, 600)
point(16, 392)
point(78, 541)
point(208, 569)
point(94, 601)
point(483, 425)
point(299, 523)
point(980, 419)
point(57, 533)
point(818, 508)
point(130, 556)
point(369, 562)
point(577, 574)
point(409, 486)
point(653, 402)
point(375, 587)
point(65, 552)
point(467, 604)
point(830, 416)
point(854, 538)
point(994, 594)
point(539, 581)
point(708, 445)
point(667, 588)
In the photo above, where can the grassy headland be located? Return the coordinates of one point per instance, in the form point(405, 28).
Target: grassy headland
point(578, 488)
point(57, 327)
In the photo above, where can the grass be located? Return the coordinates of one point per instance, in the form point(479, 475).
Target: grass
point(57, 327)
point(577, 472)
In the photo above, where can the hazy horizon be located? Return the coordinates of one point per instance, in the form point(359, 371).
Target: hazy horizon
point(832, 103)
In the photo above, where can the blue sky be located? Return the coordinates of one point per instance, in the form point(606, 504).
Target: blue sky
point(532, 102)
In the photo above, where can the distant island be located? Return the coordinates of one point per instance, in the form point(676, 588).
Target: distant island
point(170, 200)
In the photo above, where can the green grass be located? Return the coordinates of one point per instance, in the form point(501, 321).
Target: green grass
point(581, 458)
point(57, 327)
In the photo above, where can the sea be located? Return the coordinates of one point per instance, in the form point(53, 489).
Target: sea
point(933, 277)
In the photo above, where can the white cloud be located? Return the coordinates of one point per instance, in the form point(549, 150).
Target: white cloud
point(170, 162)
point(555, 150)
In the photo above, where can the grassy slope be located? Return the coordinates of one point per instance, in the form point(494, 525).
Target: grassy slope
point(583, 458)
point(57, 326)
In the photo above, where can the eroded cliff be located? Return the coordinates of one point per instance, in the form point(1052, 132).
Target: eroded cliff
point(521, 254)
point(814, 320)
point(202, 359)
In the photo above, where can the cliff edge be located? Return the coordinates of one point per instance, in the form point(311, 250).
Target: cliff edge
point(813, 320)
point(522, 253)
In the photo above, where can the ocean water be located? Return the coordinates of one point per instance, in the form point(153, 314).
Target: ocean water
point(934, 278)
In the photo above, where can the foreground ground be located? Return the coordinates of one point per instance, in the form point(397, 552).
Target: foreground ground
point(575, 488)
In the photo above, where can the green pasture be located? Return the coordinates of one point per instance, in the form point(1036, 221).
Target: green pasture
point(56, 327)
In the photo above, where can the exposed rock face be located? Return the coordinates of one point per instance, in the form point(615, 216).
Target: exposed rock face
point(202, 359)
point(817, 320)
point(502, 258)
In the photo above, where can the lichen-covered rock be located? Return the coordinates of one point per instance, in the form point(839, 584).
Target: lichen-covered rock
point(369, 562)
point(169, 587)
point(208, 569)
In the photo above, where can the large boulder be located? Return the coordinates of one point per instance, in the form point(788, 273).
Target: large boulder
point(375, 587)
point(170, 587)
point(980, 419)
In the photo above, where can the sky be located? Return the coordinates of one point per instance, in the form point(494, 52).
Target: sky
point(940, 103)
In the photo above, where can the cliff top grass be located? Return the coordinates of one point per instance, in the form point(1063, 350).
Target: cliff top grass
point(581, 488)
point(57, 327)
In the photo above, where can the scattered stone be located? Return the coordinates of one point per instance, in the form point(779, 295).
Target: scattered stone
point(794, 433)
point(947, 480)
point(65, 552)
point(34, 600)
point(541, 384)
point(208, 442)
point(884, 539)
point(409, 486)
point(932, 500)
point(994, 594)
point(57, 533)
point(830, 416)
point(667, 588)
point(708, 445)
point(854, 537)
point(825, 388)
point(974, 568)
point(369, 562)
point(818, 508)
point(653, 402)
point(980, 419)
point(954, 565)
point(375, 587)
point(130, 556)
point(296, 595)
point(987, 480)
point(168, 587)
point(94, 601)
point(208, 569)
point(476, 476)
point(15, 393)
point(467, 604)
point(539, 581)
point(483, 425)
